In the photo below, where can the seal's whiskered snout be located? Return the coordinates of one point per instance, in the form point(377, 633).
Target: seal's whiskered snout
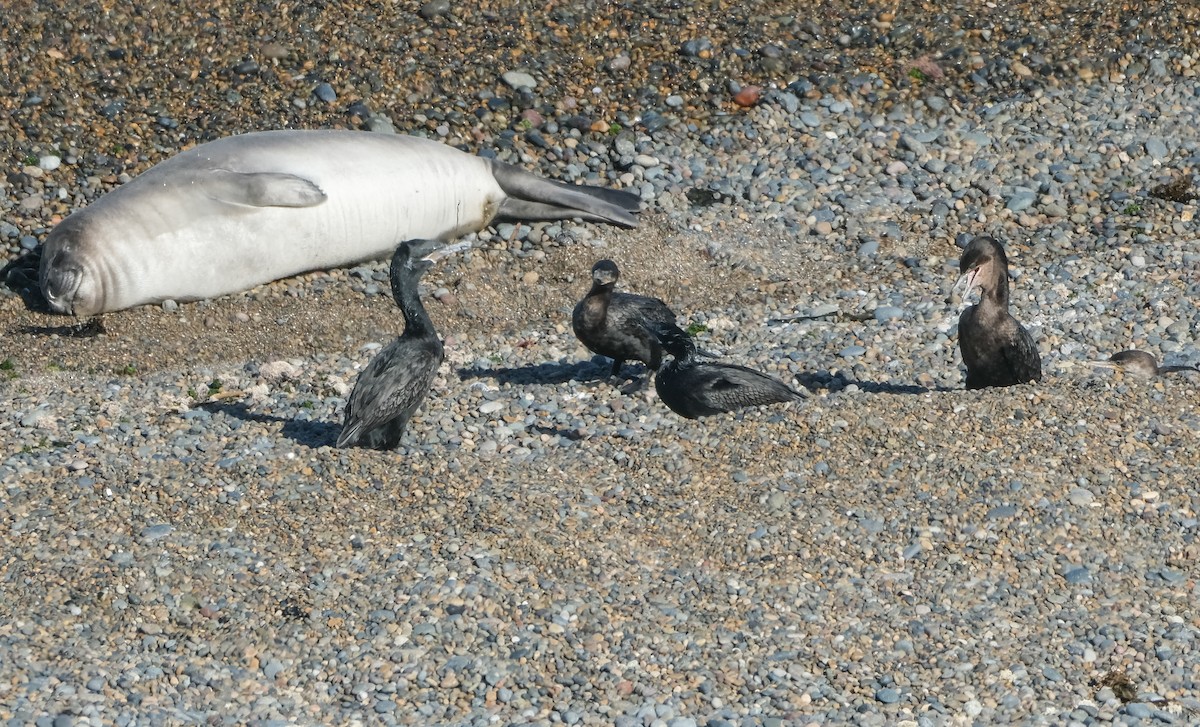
point(60, 285)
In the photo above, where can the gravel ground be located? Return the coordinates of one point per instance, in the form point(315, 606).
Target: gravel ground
point(181, 543)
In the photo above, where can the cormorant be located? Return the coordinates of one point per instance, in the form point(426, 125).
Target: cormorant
point(996, 348)
point(692, 389)
point(624, 326)
point(1140, 363)
point(398, 378)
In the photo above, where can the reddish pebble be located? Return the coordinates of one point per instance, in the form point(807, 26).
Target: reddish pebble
point(533, 117)
point(748, 96)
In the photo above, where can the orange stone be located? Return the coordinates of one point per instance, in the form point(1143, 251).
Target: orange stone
point(748, 96)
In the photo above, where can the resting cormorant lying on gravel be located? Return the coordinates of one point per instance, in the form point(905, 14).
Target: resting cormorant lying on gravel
point(1140, 363)
point(996, 348)
point(692, 389)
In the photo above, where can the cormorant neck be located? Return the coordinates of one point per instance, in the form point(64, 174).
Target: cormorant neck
point(406, 289)
point(601, 290)
point(1174, 368)
point(996, 294)
point(683, 358)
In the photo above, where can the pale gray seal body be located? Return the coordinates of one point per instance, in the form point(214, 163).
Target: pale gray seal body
point(244, 210)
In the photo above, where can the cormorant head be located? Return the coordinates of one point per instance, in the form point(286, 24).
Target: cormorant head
point(1140, 364)
point(983, 265)
point(605, 273)
point(414, 257)
point(1133, 361)
point(676, 344)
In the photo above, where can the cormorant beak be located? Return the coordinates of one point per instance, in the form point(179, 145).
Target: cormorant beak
point(447, 251)
point(966, 283)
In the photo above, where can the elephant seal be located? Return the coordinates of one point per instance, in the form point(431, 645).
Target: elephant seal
point(244, 210)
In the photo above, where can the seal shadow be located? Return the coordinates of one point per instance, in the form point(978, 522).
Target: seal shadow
point(308, 432)
point(84, 329)
point(544, 373)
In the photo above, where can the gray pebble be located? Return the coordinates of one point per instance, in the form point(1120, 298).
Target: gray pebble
point(434, 8)
point(325, 92)
point(385, 706)
point(1021, 201)
point(38, 416)
point(1081, 496)
point(156, 532)
point(1078, 575)
point(1157, 149)
point(518, 79)
point(885, 313)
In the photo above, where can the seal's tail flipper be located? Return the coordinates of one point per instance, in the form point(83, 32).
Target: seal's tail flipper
point(531, 197)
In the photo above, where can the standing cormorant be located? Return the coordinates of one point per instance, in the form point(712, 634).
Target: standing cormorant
point(398, 378)
point(996, 348)
point(623, 325)
point(1140, 363)
point(692, 389)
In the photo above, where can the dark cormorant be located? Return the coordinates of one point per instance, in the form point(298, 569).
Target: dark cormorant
point(692, 389)
point(397, 380)
point(1140, 363)
point(623, 325)
point(996, 348)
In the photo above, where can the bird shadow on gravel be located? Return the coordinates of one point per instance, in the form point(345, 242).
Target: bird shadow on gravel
point(310, 433)
point(837, 384)
point(543, 373)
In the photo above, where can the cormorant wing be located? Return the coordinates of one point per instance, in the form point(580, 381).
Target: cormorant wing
point(396, 380)
point(641, 307)
point(1022, 356)
point(734, 386)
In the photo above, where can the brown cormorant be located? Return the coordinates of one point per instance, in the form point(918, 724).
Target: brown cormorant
point(1140, 363)
point(398, 378)
point(996, 348)
point(693, 389)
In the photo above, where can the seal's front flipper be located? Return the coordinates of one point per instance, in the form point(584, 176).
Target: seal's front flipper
point(262, 189)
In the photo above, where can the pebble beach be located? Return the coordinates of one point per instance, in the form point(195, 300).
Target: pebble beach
point(180, 542)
